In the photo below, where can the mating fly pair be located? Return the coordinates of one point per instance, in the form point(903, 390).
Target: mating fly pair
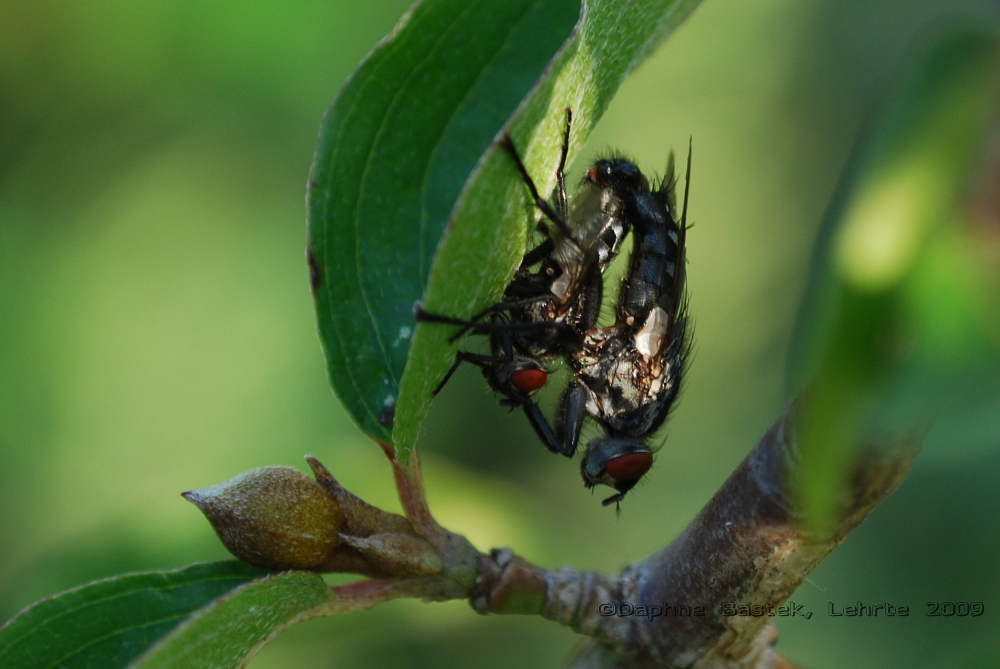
point(626, 376)
point(553, 299)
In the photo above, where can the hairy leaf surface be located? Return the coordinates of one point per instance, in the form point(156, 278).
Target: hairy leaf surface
point(109, 623)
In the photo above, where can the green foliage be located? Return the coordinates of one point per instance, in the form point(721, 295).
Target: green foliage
point(227, 632)
point(393, 153)
point(156, 318)
point(394, 216)
point(109, 623)
point(211, 616)
point(901, 322)
point(391, 177)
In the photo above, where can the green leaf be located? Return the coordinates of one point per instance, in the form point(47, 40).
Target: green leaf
point(229, 631)
point(109, 623)
point(394, 151)
point(394, 215)
point(900, 323)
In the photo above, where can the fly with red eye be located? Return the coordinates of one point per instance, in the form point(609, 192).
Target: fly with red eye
point(529, 380)
point(554, 297)
point(627, 376)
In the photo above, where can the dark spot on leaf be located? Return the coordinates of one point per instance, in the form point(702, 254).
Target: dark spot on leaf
point(315, 271)
point(387, 414)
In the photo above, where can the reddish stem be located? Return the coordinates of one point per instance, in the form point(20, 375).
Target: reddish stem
point(410, 484)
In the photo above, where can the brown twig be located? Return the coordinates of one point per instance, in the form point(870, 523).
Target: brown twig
point(747, 547)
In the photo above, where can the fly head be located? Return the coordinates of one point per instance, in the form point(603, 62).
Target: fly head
point(619, 174)
point(618, 463)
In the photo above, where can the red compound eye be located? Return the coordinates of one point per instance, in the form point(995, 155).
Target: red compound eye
point(528, 380)
point(631, 467)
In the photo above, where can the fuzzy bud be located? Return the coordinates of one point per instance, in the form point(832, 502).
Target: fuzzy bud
point(279, 518)
point(273, 517)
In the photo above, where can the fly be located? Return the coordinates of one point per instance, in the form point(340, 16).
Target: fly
point(627, 376)
point(554, 297)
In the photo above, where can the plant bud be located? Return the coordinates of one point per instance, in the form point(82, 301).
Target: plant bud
point(279, 518)
point(273, 517)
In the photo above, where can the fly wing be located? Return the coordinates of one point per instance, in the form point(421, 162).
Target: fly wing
point(597, 222)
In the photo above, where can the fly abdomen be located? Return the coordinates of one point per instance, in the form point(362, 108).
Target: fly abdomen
point(653, 266)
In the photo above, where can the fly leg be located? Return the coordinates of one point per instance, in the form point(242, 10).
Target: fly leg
point(540, 252)
point(421, 316)
point(508, 145)
point(499, 307)
point(570, 414)
point(475, 323)
point(490, 328)
point(476, 359)
point(592, 297)
point(543, 429)
point(564, 329)
point(561, 168)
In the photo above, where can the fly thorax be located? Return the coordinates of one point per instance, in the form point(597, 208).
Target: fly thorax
point(649, 339)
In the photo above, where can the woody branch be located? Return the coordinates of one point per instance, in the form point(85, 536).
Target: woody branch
point(747, 546)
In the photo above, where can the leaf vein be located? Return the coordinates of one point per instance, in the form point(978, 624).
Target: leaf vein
point(417, 69)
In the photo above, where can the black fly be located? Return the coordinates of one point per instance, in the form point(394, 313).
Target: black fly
point(555, 295)
point(627, 376)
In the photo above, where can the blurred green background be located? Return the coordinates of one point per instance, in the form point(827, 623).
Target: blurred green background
point(157, 335)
